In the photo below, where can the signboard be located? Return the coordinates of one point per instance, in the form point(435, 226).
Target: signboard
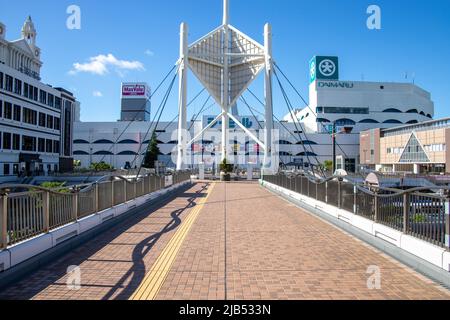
point(135, 90)
point(249, 122)
point(324, 68)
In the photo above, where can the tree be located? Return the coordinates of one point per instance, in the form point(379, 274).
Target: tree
point(101, 166)
point(328, 165)
point(226, 167)
point(152, 153)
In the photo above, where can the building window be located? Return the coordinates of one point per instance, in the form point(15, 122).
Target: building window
point(35, 93)
point(16, 169)
point(1, 80)
point(1, 108)
point(48, 145)
point(29, 116)
point(392, 110)
point(42, 96)
point(345, 110)
point(57, 102)
point(7, 114)
point(57, 123)
point(42, 119)
point(9, 83)
point(345, 122)
point(18, 87)
point(6, 141)
point(51, 100)
point(49, 121)
point(16, 142)
point(6, 169)
point(16, 115)
point(41, 145)
point(25, 89)
point(56, 146)
point(28, 143)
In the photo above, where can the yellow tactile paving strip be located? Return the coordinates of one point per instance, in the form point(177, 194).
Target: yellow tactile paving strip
point(152, 283)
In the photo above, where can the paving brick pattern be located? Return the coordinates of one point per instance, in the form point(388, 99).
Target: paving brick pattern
point(114, 263)
point(274, 250)
point(245, 244)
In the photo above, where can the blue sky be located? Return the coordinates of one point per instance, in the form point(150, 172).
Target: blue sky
point(140, 39)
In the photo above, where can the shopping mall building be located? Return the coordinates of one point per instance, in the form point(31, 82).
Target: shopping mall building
point(353, 106)
point(418, 148)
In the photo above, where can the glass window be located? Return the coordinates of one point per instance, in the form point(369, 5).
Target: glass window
point(7, 114)
point(6, 141)
point(16, 115)
point(56, 146)
point(16, 142)
point(28, 143)
point(9, 83)
point(25, 89)
point(57, 123)
point(35, 94)
point(42, 119)
point(48, 145)
point(15, 168)
point(29, 116)
point(57, 102)
point(6, 169)
point(42, 96)
point(18, 86)
point(1, 80)
point(49, 121)
point(345, 110)
point(41, 145)
point(1, 108)
point(51, 100)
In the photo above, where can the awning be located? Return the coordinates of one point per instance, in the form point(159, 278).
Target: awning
point(29, 157)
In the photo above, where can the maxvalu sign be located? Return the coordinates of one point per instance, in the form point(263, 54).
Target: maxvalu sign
point(324, 68)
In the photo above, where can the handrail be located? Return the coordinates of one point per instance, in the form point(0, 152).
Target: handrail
point(363, 187)
point(413, 211)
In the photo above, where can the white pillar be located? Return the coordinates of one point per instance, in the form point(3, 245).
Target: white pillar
point(226, 91)
point(250, 171)
point(182, 99)
point(268, 97)
point(226, 12)
point(201, 171)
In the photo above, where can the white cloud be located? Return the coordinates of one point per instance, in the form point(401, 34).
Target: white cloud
point(149, 53)
point(101, 64)
point(97, 94)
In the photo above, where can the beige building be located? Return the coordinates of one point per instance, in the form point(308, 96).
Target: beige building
point(418, 148)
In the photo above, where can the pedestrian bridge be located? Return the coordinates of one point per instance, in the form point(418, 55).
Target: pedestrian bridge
point(209, 240)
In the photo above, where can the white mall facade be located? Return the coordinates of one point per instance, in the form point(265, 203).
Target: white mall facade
point(353, 105)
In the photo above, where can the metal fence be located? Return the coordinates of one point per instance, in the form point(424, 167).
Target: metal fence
point(24, 215)
point(413, 212)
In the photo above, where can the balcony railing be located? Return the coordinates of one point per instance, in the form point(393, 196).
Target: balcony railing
point(24, 215)
point(413, 212)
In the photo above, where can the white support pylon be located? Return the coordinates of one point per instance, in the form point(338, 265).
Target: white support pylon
point(226, 62)
point(182, 99)
point(268, 96)
point(225, 75)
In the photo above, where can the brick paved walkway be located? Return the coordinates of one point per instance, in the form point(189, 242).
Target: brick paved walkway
point(244, 243)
